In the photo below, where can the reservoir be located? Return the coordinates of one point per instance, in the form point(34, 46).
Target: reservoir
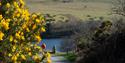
point(52, 42)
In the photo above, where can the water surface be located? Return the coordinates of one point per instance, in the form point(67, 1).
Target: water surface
point(52, 42)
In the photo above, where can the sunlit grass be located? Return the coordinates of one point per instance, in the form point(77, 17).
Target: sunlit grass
point(77, 9)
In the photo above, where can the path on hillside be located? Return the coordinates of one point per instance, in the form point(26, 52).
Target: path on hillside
point(59, 59)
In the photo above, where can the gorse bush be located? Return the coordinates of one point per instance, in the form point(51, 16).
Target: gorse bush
point(105, 46)
point(18, 30)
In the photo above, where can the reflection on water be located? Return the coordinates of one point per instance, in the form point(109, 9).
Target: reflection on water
point(52, 42)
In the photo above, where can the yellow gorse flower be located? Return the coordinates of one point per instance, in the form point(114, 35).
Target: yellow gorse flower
point(27, 29)
point(11, 38)
point(9, 54)
point(17, 35)
point(13, 48)
point(22, 2)
point(15, 41)
point(43, 29)
point(49, 61)
point(0, 4)
point(17, 54)
point(15, 4)
point(8, 5)
point(30, 54)
point(38, 38)
point(1, 35)
point(5, 25)
point(8, 20)
point(37, 20)
point(48, 55)
point(18, 14)
point(23, 57)
point(34, 26)
point(19, 10)
point(36, 58)
point(14, 58)
point(34, 16)
point(1, 17)
point(22, 37)
point(24, 26)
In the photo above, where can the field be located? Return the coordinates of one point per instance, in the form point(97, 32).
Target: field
point(78, 9)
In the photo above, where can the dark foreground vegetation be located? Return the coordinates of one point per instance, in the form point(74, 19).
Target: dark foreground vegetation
point(104, 47)
point(106, 43)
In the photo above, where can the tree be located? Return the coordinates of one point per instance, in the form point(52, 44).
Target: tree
point(18, 29)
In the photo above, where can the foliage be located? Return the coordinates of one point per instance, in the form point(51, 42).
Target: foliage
point(106, 45)
point(18, 30)
point(71, 57)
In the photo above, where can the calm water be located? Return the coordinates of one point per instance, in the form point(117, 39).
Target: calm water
point(52, 42)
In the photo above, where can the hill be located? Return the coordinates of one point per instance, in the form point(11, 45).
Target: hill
point(78, 9)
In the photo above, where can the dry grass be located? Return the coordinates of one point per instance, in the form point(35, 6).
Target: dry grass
point(78, 9)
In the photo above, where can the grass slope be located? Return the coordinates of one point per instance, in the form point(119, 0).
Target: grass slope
point(78, 9)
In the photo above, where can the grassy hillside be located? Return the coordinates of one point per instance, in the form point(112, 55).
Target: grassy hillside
point(78, 0)
point(95, 0)
point(78, 9)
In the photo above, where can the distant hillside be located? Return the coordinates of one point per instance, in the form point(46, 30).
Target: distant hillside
point(78, 9)
point(95, 0)
point(107, 1)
